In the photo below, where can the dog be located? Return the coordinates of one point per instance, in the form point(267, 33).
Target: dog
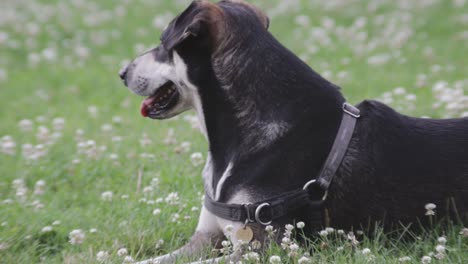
point(270, 121)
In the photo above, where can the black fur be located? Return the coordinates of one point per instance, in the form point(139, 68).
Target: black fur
point(394, 166)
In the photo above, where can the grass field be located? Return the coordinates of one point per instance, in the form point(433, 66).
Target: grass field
point(82, 172)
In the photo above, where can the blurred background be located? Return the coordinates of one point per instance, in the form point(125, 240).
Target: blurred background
point(83, 174)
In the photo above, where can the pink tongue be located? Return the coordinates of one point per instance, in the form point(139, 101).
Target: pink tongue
point(146, 105)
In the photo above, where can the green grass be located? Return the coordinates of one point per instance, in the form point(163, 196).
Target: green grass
point(67, 85)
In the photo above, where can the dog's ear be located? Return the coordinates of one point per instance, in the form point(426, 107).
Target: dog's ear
point(260, 14)
point(199, 17)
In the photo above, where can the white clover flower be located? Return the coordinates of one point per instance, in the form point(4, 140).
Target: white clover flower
point(58, 123)
point(228, 228)
point(440, 256)
point(28, 151)
point(430, 208)
point(440, 249)
point(225, 243)
point(4, 246)
point(340, 232)
point(366, 251)
point(122, 252)
point(113, 156)
point(289, 227)
point(351, 237)
point(46, 229)
point(107, 196)
point(155, 182)
point(323, 233)
point(49, 54)
point(404, 259)
point(124, 196)
point(26, 125)
point(106, 128)
point(399, 91)
point(304, 260)
point(42, 134)
point(275, 259)
point(175, 217)
point(194, 209)
point(18, 183)
point(93, 230)
point(7, 201)
point(117, 119)
point(159, 244)
point(39, 187)
point(8, 146)
point(197, 159)
point(442, 240)
point(330, 230)
point(340, 248)
point(185, 146)
point(285, 242)
point(116, 139)
point(156, 211)
point(148, 189)
point(128, 259)
point(172, 198)
point(464, 232)
point(294, 247)
point(426, 260)
point(252, 256)
point(102, 256)
point(300, 225)
point(37, 204)
point(411, 97)
point(93, 111)
point(56, 223)
point(76, 237)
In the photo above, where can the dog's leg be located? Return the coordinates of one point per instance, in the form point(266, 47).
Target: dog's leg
point(207, 234)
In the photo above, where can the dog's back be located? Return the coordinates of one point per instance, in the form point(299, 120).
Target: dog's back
point(397, 164)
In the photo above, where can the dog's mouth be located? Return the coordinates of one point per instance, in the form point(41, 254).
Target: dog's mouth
point(162, 101)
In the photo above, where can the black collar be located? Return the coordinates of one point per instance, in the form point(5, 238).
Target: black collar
point(266, 211)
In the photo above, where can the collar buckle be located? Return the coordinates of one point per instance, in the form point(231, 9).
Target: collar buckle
point(351, 110)
point(259, 210)
point(309, 183)
point(249, 218)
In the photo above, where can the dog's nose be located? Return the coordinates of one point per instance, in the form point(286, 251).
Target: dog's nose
point(123, 72)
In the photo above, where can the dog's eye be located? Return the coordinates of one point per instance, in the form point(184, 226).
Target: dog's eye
point(161, 54)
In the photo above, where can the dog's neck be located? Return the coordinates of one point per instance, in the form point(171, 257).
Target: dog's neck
point(265, 100)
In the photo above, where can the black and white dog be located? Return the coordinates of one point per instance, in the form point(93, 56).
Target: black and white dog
point(271, 121)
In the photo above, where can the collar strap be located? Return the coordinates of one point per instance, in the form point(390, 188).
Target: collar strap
point(266, 211)
point(340, 146)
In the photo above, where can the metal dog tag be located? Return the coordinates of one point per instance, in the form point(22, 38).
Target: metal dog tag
point(245, 234)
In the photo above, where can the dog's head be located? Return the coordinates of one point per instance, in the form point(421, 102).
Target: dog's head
point(172, 75)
